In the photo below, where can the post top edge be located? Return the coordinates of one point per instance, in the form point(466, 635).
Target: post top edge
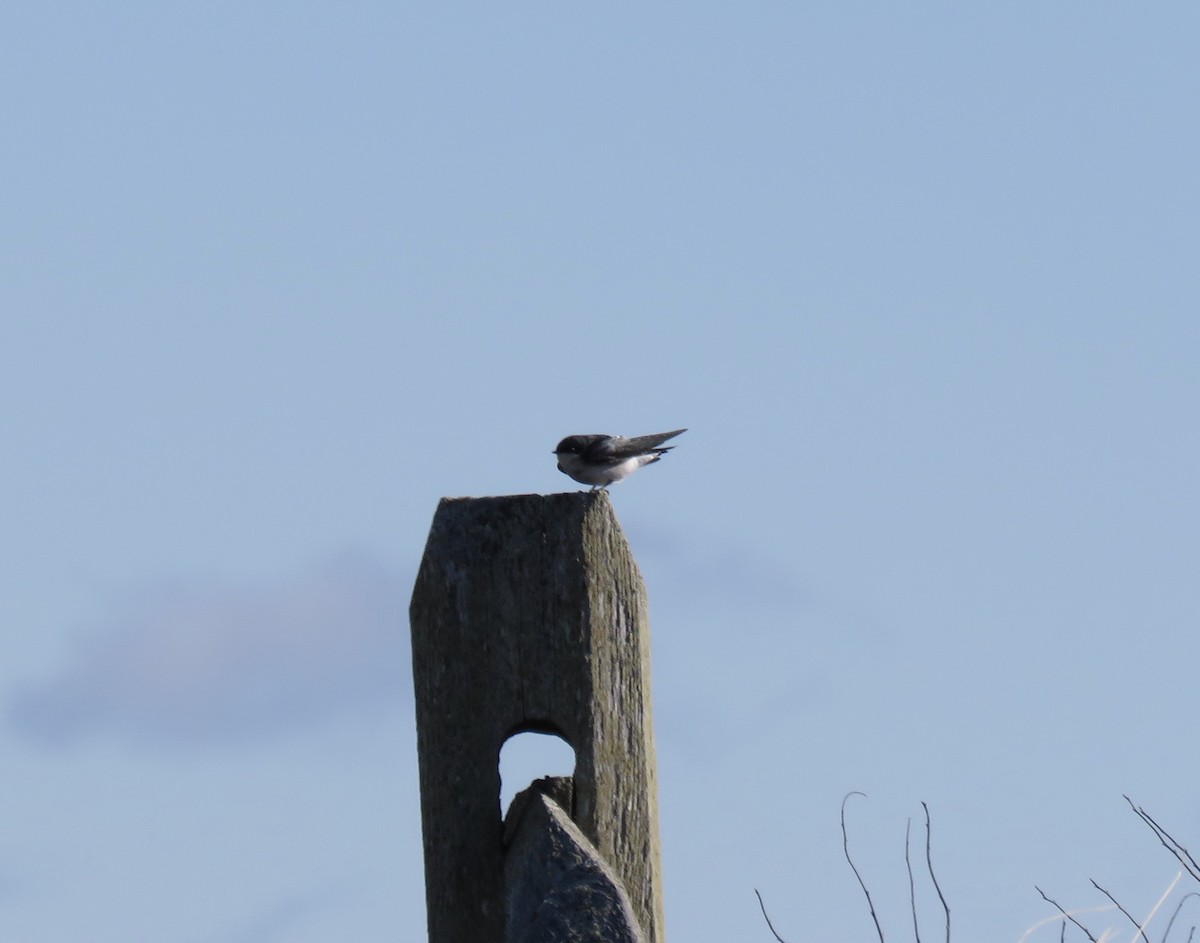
point(581, 496)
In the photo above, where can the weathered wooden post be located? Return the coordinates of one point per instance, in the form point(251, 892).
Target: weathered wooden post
point(529, 614)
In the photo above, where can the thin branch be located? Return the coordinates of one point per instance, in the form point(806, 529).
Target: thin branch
point(763, 908)
point(850, 861)
point(1178, 907)
point(1117, 904)
point(1064, 913)
point(912, 887)
point(933, 877)
point(1181, 853)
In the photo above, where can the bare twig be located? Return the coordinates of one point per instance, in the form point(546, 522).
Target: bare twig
point(933, 877)
point(1181, 853)
point(1178, 907)
point(850, 861)
point(1117, 904)
point(912, 887)
point(763, 908)
point(1064, 913)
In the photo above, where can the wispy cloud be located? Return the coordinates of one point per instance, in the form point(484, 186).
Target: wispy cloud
point(225, 662)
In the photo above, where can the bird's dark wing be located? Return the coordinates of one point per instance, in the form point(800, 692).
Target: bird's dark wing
point(619, 448)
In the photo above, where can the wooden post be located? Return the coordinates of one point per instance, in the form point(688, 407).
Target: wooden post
point(529, 614)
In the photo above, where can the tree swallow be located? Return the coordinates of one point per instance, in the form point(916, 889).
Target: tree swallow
point(602, 460)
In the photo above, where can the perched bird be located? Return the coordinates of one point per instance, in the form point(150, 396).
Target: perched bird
point(602, 460)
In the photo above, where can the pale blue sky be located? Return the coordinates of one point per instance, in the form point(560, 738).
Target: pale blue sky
point(921, 280)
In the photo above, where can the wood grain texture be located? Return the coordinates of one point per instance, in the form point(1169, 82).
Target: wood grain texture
point(529, 613)
point(558, 887)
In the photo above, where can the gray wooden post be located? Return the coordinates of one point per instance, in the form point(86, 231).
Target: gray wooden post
point(529, 614)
